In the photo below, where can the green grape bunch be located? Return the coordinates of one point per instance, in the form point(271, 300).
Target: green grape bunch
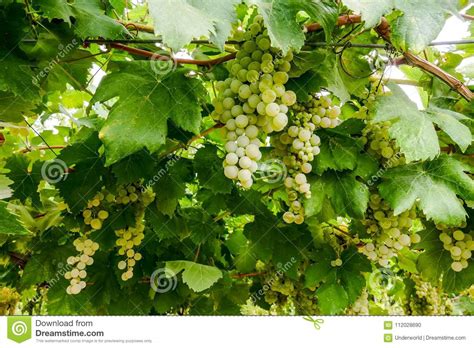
point(253, 101)
point(460, 246)
point(86, 248)
point(380, 145)
point(298, 145)
point(389, 233)
point(428, 299)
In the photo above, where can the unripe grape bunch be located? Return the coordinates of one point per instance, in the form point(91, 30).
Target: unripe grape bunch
point(86, 248)
point(298, 145)
point(253, 101)
point(127, 240)
point(96, 214)
point(390, 233)
point(460, 246)
point(379, 144)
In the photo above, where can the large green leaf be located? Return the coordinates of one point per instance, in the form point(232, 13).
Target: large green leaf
point(346, 195)
point(146, 102)
point(420, 23)
point(25, 179)
point(338, 286)
point(434, 186)
point(280, 18)
point(448, 121)
point(198, 277)
point(412, 129)
point(9, 222)
point(90, 20)
point(209, 18)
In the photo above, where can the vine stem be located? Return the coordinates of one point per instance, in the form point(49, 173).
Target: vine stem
point(155, 56)
point(29, 149)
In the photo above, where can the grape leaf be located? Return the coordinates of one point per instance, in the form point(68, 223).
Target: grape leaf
point(435, 263)
point(10, 224)
point(420, 23)
point(170, 184)
point(371, 10)
point(332, 298)
point(134, 167)
point(210, 18)
point(411, 128)
point(85, 180)
point(146, 102)
point(198, 277)
point(25, 181)
point(448, 121)
point(16, 76)
point(90, 20)
point(341, 286)
point(339, 150)
point(13, 108)
point(433, 185)
point(347, 196)
point(280, 19)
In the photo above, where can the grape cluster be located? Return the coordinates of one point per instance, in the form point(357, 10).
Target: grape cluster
point(95, 215)
point(427, 299)
point(9, 298)
point(299, 144)
point(460, 246)
point(389, 233)
point(288, 296)
point(86, 248)
point(361, 305)
point(127, 240)
point(252, 100)
point(376, 135)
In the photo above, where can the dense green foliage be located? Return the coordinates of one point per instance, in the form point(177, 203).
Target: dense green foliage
point(254, 165)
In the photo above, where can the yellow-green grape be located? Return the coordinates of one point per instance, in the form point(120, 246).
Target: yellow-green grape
point(298, 145)
point(460, 246)
point(390, 233)
point(86, 248)
point(253, 101)
point(380, 144)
